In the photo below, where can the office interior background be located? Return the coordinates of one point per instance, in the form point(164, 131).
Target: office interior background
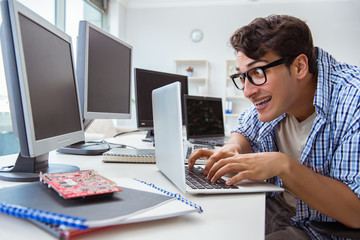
point(160, 33)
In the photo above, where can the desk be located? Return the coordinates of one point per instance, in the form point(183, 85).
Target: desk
point(235, 216)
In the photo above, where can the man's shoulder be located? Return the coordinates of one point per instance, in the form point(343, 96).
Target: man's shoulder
point(338, 83)
point(339, 73)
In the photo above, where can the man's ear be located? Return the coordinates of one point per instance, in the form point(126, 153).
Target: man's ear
point(300, 66)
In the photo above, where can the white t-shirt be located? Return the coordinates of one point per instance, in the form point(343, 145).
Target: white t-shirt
point(291, 137)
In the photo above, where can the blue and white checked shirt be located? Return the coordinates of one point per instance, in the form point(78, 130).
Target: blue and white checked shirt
point(333, 146)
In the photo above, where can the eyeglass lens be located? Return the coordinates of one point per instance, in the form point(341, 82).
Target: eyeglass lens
point(256, 76)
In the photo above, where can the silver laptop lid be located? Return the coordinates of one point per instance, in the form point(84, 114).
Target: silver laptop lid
point(166, 103)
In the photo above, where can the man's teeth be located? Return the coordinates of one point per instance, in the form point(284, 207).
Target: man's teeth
point(262, 101)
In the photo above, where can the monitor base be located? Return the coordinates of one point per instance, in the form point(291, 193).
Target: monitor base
point(89, 148)
point(33, 177)
point(27, 169)
point(149, 137)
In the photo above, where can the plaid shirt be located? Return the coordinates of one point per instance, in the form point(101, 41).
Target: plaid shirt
point(333, 146)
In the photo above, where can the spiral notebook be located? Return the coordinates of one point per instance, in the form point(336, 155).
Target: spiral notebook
point(137, 202)
point(128, 155)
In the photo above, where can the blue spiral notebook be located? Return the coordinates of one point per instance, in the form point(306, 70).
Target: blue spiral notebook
point(137, 202)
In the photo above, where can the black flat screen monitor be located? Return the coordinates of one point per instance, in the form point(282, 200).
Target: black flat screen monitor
point(145, 82)
point(104, 75)
point(42, 91)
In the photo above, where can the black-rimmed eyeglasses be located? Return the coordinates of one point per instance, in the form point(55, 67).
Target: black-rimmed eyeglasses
point(256, 76)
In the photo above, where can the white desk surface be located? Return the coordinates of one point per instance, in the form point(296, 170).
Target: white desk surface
point(234, 216)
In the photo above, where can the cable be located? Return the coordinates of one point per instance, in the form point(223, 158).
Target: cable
point(122, 133)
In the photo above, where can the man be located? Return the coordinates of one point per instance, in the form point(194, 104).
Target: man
point(303, 132)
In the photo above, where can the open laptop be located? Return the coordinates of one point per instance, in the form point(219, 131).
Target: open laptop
point(204, 120)
point(169, 145)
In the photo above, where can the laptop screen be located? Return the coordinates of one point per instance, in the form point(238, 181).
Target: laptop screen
point(204, 117)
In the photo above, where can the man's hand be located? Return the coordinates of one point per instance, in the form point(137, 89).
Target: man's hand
point(252, 166)
point(235, 145)
point(213, 155)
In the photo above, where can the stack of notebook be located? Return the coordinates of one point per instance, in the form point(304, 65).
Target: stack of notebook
point(66, 218)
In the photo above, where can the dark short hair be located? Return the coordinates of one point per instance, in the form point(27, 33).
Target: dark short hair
point(285, 35)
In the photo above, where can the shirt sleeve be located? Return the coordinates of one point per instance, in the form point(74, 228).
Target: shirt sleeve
point(345, 166)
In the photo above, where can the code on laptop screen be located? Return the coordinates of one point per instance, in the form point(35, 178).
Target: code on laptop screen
point(204, 117)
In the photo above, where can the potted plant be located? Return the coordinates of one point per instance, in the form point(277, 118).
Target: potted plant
point(190, 71)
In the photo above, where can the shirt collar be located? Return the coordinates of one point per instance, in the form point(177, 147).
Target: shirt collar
point(323, 91)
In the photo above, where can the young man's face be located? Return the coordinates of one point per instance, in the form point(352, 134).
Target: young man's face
point(277, 95)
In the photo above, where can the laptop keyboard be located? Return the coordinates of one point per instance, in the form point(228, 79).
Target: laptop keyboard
point(196, 179)
point(191, 148)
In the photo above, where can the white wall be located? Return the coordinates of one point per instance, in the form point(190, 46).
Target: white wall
point(117, 19)
point(161, 35)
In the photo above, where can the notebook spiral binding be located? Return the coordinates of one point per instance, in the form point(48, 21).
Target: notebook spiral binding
point(43, 216)
point(176, 195)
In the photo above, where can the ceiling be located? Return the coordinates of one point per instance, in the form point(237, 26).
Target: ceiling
point(192, 3)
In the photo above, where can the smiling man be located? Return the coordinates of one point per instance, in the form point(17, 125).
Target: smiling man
point(303, 132)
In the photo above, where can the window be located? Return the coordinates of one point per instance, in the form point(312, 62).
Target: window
point(9, 143)
point(77, 10)
point(65, 14)
point(44, 8)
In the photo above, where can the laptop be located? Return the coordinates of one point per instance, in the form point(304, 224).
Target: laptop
point(169, 147)
point(204, 120)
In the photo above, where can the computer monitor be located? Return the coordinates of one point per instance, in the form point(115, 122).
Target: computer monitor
point(145, 82)
point(42, 91)
point(103, 68)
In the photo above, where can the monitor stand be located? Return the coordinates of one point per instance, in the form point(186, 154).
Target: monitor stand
point(90, 147)
point(87, 148)
point(27, 169)
point(149, 136)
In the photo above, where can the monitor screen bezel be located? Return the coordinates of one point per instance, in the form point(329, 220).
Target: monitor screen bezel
point(37, 147)
point(150, 124)
point(82, 72)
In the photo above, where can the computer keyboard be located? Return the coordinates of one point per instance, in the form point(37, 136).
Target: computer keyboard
point(196, 179)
